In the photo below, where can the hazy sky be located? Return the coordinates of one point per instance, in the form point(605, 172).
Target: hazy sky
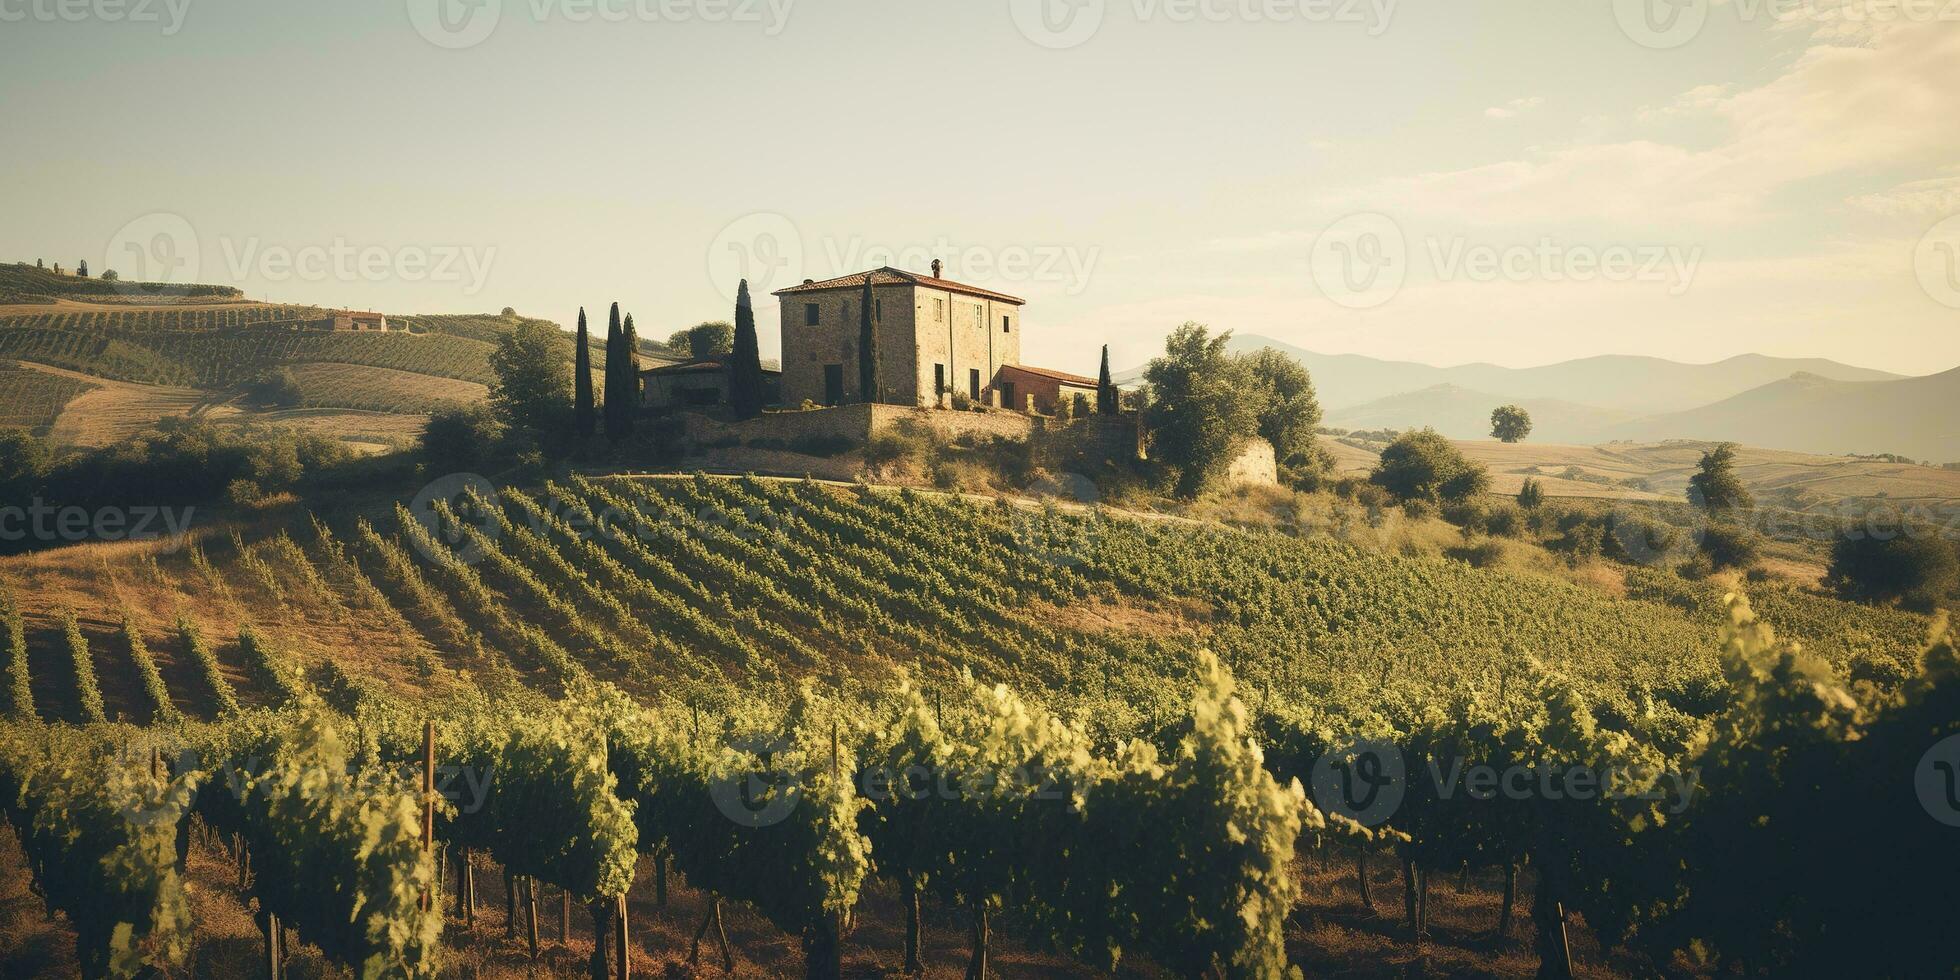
point(1433, 180)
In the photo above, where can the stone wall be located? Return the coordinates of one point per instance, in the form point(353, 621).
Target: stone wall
point(1254, 464)
point(917, 328)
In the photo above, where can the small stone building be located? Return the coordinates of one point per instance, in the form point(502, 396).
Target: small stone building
point(934, 335)
point(696, 384)
point(351, 320)
point(1048, 388)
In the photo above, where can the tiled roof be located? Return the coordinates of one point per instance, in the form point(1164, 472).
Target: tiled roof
point(1062, 376)
point(689, 367)
point(888, 276)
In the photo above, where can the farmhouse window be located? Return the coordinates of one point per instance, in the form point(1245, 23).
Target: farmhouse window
point(809, 314)
point(1004, 327)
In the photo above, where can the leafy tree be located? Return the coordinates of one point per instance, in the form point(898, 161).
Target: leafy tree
point(1288, 410)
point(1106, 397)
point(509, 311)
point(1531, 494)
point(277, 387)
point(24, 460)
point(110, 275)
point(1424, 465)
point(1716, 487)
point(585, 419)
point(745, 394)
point(531, 388)
point(868, 344)
point(460, 438)
point(1917, 568)
point(81, 268)
point(704, 340)
point(1510, 423)
point(1198, 408)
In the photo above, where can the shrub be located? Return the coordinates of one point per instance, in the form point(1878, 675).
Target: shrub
point(460, 438)
point(1582, 542)
point(1418, 508)
point(1729, 545)
point(1918, 569)
point(1505, 521)
point(1470, 515)
point(1696, 568)
point(1426, 465)
point(1481, 554)
point(1531, 494)
point(278, 388)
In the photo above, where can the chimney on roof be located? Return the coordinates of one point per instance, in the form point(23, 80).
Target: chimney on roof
point(809, 282)
point(935, 269)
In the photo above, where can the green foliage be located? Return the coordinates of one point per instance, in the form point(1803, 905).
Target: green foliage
point(19, 689)
point(745, 382)
point(1918, 568)
point(186, 461)
point(336, 847)
point(705, 340)
point(585, 419)
point(88, 695)
point(275, 388)
point(1714, 486)
point(1730, 545)
point(1425, 466)
point(1288, 409)
point(1199, 407)
point(461, 439)
point(532, 388)
point(1531, 494)
point(1106, 391)
point(201, 654)
point(1509, 423)
point(102, 842)
point(162, 709)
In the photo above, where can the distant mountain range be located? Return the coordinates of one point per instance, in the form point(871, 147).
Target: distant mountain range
point(1801, 404)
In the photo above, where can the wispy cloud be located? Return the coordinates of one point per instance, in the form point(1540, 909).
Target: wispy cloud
point(1514, 107)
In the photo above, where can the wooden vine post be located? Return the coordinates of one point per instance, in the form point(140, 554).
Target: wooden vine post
point(428, 803)
point(624, 950)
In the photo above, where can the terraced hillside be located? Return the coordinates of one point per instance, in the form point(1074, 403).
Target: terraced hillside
point(32, 399)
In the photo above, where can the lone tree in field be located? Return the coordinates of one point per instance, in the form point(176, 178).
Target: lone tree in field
point(1424, 465)
point(1199, 406)
point(1106, 400)
point(530, 390)
point(1510, 423)
point(745, 366)
point(868, 345)
point(585, 419)
point(1716, 488)
point(81, 268)
point(704, 340)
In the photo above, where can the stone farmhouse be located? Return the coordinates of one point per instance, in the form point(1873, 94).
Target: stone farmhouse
point(934, 335)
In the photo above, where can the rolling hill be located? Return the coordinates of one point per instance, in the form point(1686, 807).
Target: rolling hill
point(1807, 412)
point(1624, 383)
point(1462, 413)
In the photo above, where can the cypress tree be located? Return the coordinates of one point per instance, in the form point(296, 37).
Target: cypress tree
point(615, 394)
point(745, 364)
point(583, 418)
point(1106, 403)
point(868, 345)
point(629, 377)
